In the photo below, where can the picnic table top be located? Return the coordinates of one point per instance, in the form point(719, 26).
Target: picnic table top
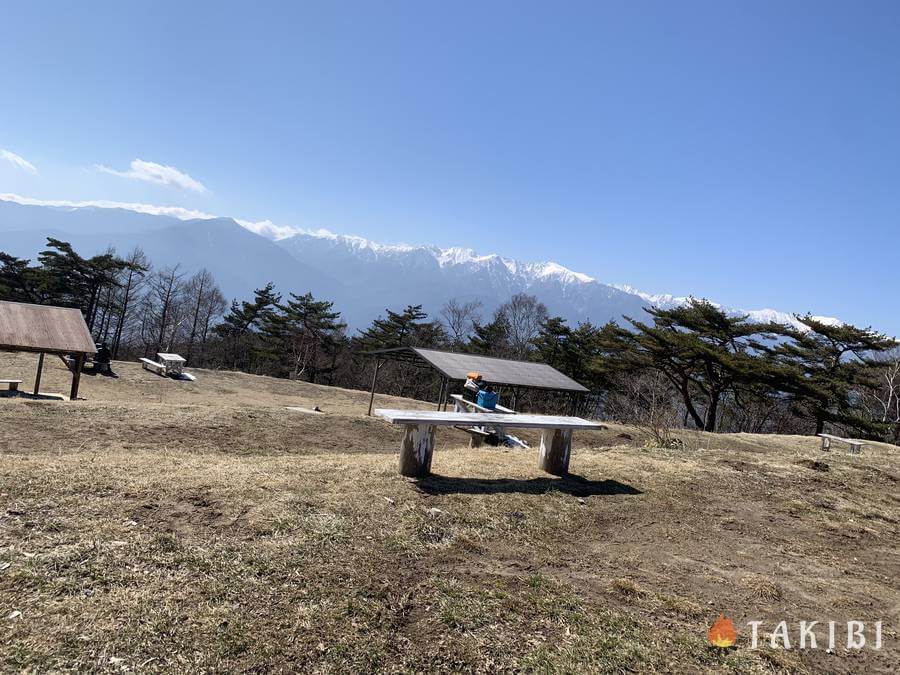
point(852, 441)
point(502, 419)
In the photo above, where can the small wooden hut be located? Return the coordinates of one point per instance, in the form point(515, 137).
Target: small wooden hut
point(44, 329)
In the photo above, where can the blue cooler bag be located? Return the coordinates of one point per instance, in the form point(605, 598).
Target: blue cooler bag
point(487, 399)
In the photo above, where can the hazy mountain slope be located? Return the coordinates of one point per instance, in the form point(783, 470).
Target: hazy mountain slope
point(238, 259)
point(82, 220)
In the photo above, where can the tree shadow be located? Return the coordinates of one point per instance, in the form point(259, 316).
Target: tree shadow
point(572, 484)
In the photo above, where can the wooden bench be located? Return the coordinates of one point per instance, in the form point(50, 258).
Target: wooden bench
point(854, 444)
point(463, 405)
point(477, 435)
point(12, 385)
point(417, 444)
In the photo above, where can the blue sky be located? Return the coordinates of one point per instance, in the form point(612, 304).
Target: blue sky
point(747, 152)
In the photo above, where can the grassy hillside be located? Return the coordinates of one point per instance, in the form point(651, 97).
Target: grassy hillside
point(162, 525)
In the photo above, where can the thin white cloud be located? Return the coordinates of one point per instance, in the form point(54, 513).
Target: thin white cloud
point(160, 174)
point(174, 211)
point(19, 162)
point(270, 230)
point(265, 228)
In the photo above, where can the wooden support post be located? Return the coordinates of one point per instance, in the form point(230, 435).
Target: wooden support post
point(378, 365)
point(76, 377)
point(416, 449)
point(441, 393)
point(556, 446)
point(37, 377)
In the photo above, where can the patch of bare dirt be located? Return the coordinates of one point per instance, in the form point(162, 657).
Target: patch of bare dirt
point(187, 515)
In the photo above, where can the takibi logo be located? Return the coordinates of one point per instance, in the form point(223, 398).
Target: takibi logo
point(722, 633)
point(859, 635)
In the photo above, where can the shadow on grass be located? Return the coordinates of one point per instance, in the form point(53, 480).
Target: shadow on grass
point(31, 397)
point(572, 484)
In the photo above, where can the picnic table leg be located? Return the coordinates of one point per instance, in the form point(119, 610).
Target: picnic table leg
point(556, 447)
point(826, 444)
point(416, 449)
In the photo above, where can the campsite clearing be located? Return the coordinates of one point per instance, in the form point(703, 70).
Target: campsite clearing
point(164, 525)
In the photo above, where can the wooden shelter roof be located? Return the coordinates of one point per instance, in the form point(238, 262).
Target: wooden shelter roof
point(44, 328)
point(455, 366)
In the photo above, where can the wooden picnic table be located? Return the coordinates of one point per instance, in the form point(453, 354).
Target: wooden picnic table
point(854, 444)
point(12, 385)
point(417, 444)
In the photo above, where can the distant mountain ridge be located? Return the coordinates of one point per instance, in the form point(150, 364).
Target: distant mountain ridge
point(362, 277)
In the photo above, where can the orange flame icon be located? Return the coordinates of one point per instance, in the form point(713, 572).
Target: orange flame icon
point(722, 632)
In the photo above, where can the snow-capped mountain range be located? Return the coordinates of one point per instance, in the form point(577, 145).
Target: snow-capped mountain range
point(362, 277)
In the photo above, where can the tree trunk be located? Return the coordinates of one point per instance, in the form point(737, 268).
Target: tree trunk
point(712, 411)
point(689, 405)
point(125, 298)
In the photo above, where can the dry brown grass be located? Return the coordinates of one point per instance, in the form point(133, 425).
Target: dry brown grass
point(170, 526)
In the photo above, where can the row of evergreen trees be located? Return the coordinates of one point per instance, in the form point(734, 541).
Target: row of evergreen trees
point(692, 365)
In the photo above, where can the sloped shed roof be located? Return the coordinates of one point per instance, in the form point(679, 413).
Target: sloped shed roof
point(456, 366)
point(43, 328)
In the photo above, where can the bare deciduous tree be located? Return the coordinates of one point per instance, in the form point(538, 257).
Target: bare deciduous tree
point(460, 319)
point(523, 315)
point(882, 400)
point(164, 308)
point(131, 284)
point(647, 401)
point(205, 302)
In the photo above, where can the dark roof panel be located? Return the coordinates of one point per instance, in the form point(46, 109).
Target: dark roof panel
point(499, 371)
point(42, 328)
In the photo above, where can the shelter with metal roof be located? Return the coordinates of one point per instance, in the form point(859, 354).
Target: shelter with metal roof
point(44, 329)
point(454, 367)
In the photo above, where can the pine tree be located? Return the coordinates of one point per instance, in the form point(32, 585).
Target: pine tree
point(71, 280)
point(830, 362)
point(408, 328)
point(404, 329)
point(569, 350)
point(701, 350)
point(299, 335)
point(19, 282)
point(490, 339)
point(242, 321)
